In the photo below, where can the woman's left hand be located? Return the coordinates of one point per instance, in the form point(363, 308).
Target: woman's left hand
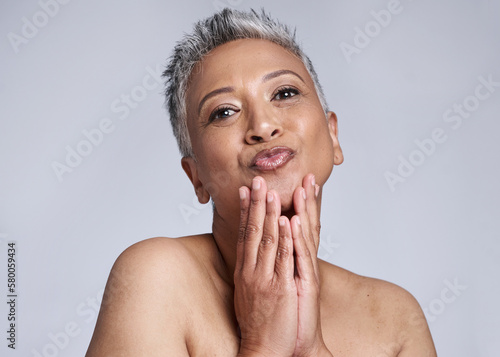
point(305, 226)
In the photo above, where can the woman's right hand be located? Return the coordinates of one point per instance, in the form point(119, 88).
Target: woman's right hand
point(265, 295)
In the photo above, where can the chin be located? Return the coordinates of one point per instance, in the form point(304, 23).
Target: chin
point(285, 189)
point(286, 199)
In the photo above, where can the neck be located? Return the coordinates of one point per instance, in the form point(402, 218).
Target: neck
point(225, 232)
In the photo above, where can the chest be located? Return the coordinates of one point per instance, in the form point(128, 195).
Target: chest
point(349, 329)
point(214, 333)
point(213, 324)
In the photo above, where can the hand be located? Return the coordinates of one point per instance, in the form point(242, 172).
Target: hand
point(265, 292)
point(305, 227)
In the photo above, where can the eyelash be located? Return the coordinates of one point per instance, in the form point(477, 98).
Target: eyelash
point(219, 110)
point(283, 90)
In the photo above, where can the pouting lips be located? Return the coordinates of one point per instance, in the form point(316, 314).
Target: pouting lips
point(272, 159)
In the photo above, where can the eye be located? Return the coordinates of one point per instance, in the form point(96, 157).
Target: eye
point(285, 93)
point(221, 113)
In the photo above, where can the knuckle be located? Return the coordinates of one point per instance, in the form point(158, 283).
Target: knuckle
point(241, 234)
point(275, 289)
point(251, 229)
point(283, 252)
point(317, 228)
point(267, 240)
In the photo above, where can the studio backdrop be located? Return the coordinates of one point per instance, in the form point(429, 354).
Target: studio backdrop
point(89, 165)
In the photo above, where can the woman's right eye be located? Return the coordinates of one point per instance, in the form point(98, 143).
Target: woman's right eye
point(221, 113)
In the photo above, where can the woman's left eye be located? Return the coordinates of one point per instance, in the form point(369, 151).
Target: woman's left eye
point(285, 93)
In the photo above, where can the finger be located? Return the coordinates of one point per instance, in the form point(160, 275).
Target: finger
point(303, 258)
point(266, 255)
point(255, 222)
point(284, 267)
point(244, 193)
point(299, 202)
point(307, 210)
point(309, 185)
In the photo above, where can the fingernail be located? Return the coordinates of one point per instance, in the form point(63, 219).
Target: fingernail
point(243, 193)
point(304, 193)
point(298, 221)
point(255, 184)
point(316, 191)
point(270, 197)
point(282, 221)
point(313, 181)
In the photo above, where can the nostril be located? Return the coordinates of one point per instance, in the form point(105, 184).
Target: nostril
point(257, 138)
point(274, 132)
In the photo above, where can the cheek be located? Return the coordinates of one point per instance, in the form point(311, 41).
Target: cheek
point(317, 139)
point(217, 151)
point(313, 128)
point(219, 164)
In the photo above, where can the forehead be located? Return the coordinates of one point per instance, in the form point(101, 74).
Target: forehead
point(239, 61)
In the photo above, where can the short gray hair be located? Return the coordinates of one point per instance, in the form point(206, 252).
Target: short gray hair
point(222, 27)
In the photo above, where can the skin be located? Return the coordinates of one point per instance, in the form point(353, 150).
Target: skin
point(254, 287)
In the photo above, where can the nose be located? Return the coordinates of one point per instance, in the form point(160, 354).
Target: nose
point(263, 126)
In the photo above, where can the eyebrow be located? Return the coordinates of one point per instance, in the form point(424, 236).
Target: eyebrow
point(266, 78)
point(214, 93)
point(280, 72)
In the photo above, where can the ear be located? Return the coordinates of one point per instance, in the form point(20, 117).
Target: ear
point(334, 134)
point(191, 169)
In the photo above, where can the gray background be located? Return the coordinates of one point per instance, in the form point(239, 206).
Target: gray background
point(438, 228)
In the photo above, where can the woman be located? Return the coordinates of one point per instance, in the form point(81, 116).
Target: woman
point(257, 138)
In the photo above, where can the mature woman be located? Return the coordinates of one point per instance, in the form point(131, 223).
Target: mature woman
point(257, 138)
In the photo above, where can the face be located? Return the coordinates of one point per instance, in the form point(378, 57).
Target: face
point(252, 110)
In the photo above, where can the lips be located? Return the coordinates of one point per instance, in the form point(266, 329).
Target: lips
point(272, 159)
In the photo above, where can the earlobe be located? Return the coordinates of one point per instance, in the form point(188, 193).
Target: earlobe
point(191, 169)
point(334, 134)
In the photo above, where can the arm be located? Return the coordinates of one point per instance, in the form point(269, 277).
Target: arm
point(139, 313)
point(417, 339)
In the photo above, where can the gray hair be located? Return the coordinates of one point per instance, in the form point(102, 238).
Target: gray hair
point(224, 26)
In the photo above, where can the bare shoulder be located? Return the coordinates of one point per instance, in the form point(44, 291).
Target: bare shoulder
point(387, 311)
point(143, 311)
